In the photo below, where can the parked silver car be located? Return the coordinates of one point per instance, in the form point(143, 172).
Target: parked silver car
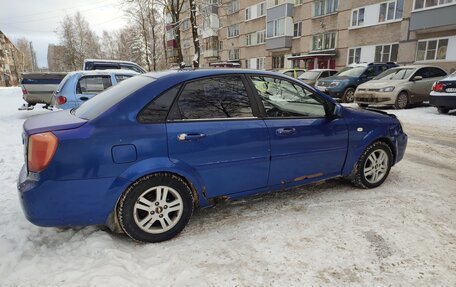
point(312, 76)
point(399, 87)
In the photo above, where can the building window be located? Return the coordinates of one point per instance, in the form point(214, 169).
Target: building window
point(386, 53)
point(233, 7)
point(248, 14)
point(261, 9)
point(422, 4)
point(298, 2)
point(260, 63)
point(278, 62)
point(324, 41)
point(430, 50)
point(324, 7)
point(354, 55)
point(276, 28)
point(261, 36)
point(358, 17)
point(233, 54)
point(297, 29)
point(233, 31)
point(391, 10)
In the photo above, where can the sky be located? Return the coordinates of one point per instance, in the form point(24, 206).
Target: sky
point(37, 20)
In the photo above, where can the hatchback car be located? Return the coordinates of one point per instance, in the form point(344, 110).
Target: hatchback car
point(80, 86)
point(343, 84)
point(312, 76)
point(141, 155)
point(443, 94)
point(399, 87)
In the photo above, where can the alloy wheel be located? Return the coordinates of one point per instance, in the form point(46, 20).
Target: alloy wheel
point(376, 166)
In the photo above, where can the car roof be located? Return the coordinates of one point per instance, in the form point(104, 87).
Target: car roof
point(193, 74)
point(109, 61)
point(415, 67)
point(321, 70)
point(104, 72)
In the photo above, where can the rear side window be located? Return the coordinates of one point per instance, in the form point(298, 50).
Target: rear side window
point(93, 84)
point(436, 72)
point(289, 73)
point(120, 78)
point(157, 110)
point(213, 98)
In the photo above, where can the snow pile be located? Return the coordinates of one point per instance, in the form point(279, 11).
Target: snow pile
point(331, 234)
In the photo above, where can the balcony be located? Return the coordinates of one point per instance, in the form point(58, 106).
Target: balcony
point(283, 9)
point(211, 53)
point(434, 19)
point(279, 43)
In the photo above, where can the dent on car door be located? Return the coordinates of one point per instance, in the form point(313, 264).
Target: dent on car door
point(305, 144)
point(213, 131)
point(89, 86)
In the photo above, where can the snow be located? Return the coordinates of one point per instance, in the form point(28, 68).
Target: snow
point(329, 234)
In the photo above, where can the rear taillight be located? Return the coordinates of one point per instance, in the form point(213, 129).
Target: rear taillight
point(61, 100)
point(24, 91)
point(438, 87)
point(41, 149)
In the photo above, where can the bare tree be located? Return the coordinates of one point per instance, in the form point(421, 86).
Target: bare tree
point(25, 57)
point(196, 42)
point(79, 40)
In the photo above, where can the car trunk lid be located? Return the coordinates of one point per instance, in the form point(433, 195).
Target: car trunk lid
point(59, 120)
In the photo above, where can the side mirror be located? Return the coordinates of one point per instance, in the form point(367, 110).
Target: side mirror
point(417, 78)
point(336, 112)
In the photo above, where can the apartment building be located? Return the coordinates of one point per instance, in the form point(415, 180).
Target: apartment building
point(10, 58)
point(276, 34)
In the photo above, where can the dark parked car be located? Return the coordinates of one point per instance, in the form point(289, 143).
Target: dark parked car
point(343, 84)
point(443, 94)
point(142, 154)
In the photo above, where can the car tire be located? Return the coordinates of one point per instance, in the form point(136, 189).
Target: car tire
point(443, 110)
point(402, 101)
point(363, 106)
point(373, 166)
point(155, 208)
point(349, 95)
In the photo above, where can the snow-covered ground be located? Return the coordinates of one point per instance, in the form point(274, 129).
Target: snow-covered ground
point(331, 234)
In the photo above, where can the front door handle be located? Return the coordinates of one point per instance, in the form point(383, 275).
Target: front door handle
point(190, 137)
point(285, 131)
point(83, 98)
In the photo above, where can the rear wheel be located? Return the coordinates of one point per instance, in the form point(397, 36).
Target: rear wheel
point(443, 110)
point(155, 208)
point(373, 166)
point(363, 106)
point(349, 95)
point(402, 101)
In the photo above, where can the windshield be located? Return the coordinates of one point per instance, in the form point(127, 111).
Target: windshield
point(108, 98)
point(309, 75)
point(351, 71)
point(395, 74)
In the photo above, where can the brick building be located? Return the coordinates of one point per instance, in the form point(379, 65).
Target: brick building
point(10, 58)
point(277, 34)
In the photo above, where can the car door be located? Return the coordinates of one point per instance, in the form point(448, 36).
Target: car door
point(214, 131)
point(89, 86)
point(305, 143)
point(433, 75)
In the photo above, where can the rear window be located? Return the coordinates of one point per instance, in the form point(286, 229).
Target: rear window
point(108, 98)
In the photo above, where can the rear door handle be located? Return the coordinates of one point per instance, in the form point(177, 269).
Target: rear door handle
point(285, 131)
point(190, 137)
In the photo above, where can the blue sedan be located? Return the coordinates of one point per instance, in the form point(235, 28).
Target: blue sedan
point(140, 156)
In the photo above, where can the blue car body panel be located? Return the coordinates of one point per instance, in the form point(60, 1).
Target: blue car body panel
point(98, 159)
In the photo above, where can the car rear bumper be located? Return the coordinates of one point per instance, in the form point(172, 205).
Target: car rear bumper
point(375, 98)
point(443, 100)
point(68, 202)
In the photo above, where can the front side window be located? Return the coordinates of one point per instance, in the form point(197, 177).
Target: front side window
point(93, 84)
point(213, 98)
point(284, 99)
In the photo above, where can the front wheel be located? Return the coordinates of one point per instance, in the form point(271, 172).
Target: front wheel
point(402, 101)
point(155, 208)
point(373, 166)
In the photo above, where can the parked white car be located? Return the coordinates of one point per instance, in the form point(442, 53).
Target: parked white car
point(399, 87)
point(443, 94)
